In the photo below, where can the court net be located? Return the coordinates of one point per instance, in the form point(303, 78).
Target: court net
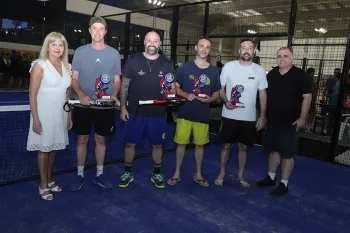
point(18, 164)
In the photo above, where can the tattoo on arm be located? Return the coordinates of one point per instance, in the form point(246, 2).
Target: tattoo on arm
point(124, 91)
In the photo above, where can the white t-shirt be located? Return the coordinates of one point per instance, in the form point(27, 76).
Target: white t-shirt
point(242, 84)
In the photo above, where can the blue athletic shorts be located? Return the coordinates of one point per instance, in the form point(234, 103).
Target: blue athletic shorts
point(155, 127)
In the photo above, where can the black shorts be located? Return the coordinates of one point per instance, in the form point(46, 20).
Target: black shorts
point(283, 140)
point(232, 130)
point(102, 119)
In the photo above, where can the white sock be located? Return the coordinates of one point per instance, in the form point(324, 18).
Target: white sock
point(272, 175)
point(285, 182)
point(99, 171)
point(81, 171)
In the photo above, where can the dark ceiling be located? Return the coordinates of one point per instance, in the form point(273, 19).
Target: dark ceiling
point(33, 10)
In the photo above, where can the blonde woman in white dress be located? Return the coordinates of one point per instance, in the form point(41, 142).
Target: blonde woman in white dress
point(50, 80)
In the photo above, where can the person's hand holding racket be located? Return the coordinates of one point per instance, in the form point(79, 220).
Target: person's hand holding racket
point(37, 127)
point(84, 100)
point(116, 101)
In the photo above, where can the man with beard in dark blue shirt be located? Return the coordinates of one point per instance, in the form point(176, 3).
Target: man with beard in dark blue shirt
point(141, 81)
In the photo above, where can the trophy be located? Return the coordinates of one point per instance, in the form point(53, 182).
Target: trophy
point(236, 94)
point(198, 83)
point(103, 99)
point(165, 85)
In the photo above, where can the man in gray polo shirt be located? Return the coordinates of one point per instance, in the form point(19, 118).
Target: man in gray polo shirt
point(96, 73)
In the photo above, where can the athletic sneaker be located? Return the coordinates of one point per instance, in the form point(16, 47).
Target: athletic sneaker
point(280, 190)
point(267, 181)
point(158, 180)
point(102, 182)
point(125, 179)
point(77, 184)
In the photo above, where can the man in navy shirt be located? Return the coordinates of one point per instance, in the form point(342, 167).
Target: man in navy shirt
point(141, 81)
point(198, 82)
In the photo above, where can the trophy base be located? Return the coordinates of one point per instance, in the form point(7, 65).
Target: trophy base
point(237, 105)
point(202, 95)
point(171, 96)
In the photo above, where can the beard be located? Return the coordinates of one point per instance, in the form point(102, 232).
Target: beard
point(249, 58)
point(152, 50)
point(202, 56)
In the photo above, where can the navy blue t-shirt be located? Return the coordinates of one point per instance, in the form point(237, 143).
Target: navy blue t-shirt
point(145, 78)
point(186, 76)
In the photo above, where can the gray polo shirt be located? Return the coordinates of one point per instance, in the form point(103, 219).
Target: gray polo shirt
point(93, 64)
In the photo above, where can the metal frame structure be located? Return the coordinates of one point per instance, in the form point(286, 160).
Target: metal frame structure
point(289, 34)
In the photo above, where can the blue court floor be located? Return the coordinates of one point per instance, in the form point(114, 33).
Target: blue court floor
point(318, 201)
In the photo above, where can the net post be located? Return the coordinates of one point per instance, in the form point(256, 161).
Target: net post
point(341, 96)
point(127, 36)
point(292, 19)
point(206, 19)
point(174, 33)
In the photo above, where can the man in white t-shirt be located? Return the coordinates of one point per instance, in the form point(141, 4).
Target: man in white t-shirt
point(240, 82)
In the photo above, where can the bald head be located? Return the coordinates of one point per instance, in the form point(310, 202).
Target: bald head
point(152, 35)
point(152, 43)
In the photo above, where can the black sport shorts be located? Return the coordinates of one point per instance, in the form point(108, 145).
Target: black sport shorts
point(102, 119)
point(232, 130)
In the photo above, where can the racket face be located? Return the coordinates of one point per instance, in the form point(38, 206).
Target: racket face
point(99, 104)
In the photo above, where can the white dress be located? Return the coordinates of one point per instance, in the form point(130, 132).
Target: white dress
point(50, 100)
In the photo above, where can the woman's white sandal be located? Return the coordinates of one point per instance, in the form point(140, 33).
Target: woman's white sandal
point(56, 189)
point(47, 197)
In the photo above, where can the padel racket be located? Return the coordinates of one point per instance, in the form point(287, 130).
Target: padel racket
point(161, 101)
point(110, 104)
point(95, 104)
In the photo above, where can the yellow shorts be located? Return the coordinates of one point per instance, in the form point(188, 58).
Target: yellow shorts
point(184, 128)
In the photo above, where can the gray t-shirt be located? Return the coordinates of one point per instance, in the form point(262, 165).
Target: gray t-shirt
point(97, 69)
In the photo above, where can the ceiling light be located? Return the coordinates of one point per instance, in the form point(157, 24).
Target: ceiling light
point(253, 12)
point(251, 31)
point(279, 23)
point(321, 30)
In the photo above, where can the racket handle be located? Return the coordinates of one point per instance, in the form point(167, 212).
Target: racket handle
point(74, 101)
point(143, 102)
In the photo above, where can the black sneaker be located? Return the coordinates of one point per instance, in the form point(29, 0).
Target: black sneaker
point(280, 190)
point(267, 181)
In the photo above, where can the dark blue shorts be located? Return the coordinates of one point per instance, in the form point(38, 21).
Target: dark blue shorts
point(155, 127)
point(282, 139)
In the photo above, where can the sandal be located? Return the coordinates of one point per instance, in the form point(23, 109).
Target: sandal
point(219, 182)
point(202, 183)
point(244, 183)
point(173, 181)
point(46, 197)
point(56, 188)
